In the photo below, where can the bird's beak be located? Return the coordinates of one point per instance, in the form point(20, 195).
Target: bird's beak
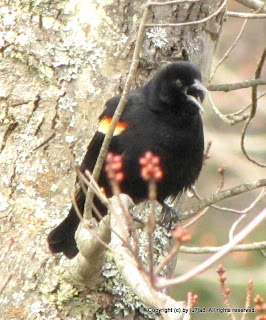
point(198, 92)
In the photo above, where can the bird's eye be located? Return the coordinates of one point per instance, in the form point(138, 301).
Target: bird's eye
point(178, 83)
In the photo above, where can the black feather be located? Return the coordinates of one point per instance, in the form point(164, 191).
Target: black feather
point(163, 117)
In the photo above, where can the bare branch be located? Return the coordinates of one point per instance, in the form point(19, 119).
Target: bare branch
point(214, 258)
point(253, 111)
point(196, 218)
point(248, 106)
point(254, 88)
point(218, 112)
point(180, 235)
point(226, 55)
point(191, 301)
point(248, 299)
point(86, 266)
point(95, 187)
point(253, 4)
point(92, 243)
point(236, 86)
point(150, 226)
point(234, 226)
point(170, 2)
point(244, 212)
point(247, 209)
point(136, 278)
point(225, 291)
point(221, 7)
point(223, 195)
point(221, 173)
point(168, 258)
point(246, 15)
point(241, 247)
point(235, 117)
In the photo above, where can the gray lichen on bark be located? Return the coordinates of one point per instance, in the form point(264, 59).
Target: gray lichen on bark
point(60, 62)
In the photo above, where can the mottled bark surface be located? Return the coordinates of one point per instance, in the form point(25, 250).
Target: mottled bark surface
point(60, 61)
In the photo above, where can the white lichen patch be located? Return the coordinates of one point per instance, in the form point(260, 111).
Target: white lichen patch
point(37, 307)
point(66, 103)
point(158, 37)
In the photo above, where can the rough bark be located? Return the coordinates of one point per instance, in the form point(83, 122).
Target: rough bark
point(60, 61)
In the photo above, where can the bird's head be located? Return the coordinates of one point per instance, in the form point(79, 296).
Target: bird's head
point(177, 85)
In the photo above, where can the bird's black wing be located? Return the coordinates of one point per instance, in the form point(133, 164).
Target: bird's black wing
point(61, 239)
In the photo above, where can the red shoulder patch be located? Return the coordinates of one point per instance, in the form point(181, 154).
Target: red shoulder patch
point(105, 123)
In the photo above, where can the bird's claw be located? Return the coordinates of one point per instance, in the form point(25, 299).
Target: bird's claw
point(170, 217)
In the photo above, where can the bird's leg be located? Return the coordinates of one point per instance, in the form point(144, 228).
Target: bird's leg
point(134, 212)
point(170, 217)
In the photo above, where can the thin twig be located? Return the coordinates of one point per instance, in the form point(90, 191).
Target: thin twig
point(223, 195)
point(130, 223)
point(248, 299)
point(179, 235)
point(162, 283)
point(244, 213)
point(246, 210)
point(246, 15)
point(246, 108)
point(191, 301)
point(96, 188)
point(150, 225)
point(253, 111)
point(217, 111)
point(254, 88)
point(206, 154)
point(234, 226)
point(170, 2)
point(173, 252)
point(225, 291)
point(196, 218)
point(118, 112)
point(253, 4)
point(225, 117)
point(206, 250)
point(190, 22)
point(91, 183)
point(87, 225)
point(221, 172)
point(100, 217)
point(226, 55)
point(226, 87)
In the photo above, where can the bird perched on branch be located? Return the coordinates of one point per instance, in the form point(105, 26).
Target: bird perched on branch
point(163, 116)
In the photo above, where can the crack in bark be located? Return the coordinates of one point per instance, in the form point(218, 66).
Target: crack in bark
point(35, 106)
point(10, 129)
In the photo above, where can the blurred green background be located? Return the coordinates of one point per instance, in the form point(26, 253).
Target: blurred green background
point(225, 152)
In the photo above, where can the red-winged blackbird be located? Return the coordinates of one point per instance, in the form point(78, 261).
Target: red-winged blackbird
point(163, 116)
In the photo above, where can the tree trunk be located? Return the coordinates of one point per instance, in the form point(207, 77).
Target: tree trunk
point(60, 62)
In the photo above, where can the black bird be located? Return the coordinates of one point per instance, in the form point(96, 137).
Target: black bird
point(163, 116)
